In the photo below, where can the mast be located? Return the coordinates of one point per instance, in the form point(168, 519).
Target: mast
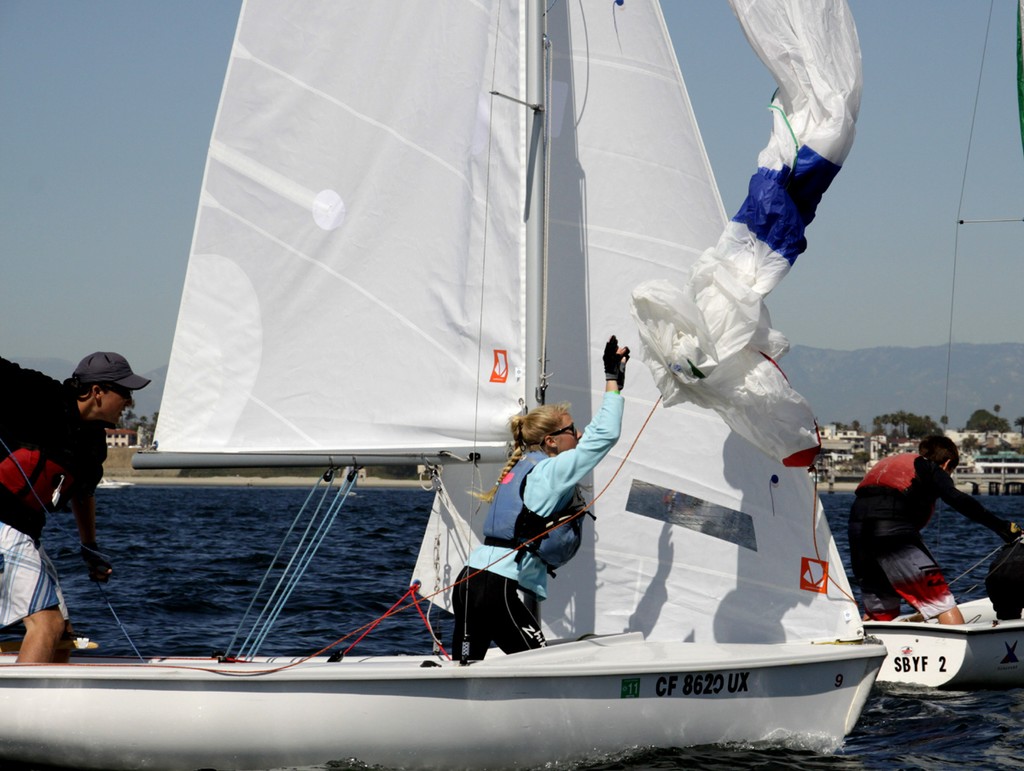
point(535, 203)
point(536, 177)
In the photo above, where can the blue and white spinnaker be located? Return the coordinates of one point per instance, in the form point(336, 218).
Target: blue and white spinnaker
point(711, 342)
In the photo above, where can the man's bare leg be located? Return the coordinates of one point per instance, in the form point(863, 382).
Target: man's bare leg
point(951, 616)
point(43, 630)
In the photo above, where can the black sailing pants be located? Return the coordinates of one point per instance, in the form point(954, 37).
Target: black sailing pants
point(487, 608)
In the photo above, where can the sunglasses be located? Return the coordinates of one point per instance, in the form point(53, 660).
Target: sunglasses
point(569, 429)
point(124, 393)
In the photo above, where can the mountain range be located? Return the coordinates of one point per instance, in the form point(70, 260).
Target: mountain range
point(842, 386)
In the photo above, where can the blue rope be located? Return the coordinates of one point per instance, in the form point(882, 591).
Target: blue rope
point(270, 568)
point(299, 562)
point(103, 593)
point(262, 620)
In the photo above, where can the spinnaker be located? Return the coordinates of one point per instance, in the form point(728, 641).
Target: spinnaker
point(711, 342)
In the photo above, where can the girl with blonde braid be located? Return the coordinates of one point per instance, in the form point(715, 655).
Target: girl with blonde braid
point(535, 491)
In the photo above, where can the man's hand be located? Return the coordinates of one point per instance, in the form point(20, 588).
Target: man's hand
point(99, 568)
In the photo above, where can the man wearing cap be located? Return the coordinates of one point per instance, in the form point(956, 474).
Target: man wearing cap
point(52, 449)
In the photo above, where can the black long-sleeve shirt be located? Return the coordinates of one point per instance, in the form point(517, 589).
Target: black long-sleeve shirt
point(38, 413)
point(905, 489)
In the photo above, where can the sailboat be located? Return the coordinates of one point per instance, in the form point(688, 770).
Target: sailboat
point(981, 653)
point(414, 224)
point(978, 654)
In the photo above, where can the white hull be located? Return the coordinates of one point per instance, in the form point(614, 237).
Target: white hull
point(977, 655)
point(566, 702)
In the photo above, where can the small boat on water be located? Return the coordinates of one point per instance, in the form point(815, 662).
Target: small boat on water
point(982, 653)
point(112, 484)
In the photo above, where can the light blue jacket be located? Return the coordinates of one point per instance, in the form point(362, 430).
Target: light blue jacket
point(549, 488)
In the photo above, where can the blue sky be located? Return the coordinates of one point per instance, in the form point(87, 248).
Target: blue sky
point(106, 108)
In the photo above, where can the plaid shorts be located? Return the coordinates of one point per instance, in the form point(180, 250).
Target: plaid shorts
point(28, 581)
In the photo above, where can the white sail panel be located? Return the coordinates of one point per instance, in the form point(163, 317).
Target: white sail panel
point(355, 279)
point(693, 539)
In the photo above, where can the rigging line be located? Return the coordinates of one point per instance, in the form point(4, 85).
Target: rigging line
point(486, 227)
point(974, 567)
point(307, 557)
point(410, 592)
point(792, 134)
point(430, 629)
point(266, 575)
point(128, 637)
point(817, 553)
point(959, 212)
point(274, 561)
point(546, 224)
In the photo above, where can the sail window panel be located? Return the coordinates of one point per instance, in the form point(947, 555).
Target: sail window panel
point(680, 509)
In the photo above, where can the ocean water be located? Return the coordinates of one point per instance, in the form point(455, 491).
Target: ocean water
point(187, 561)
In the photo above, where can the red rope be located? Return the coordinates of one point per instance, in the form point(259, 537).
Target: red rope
point(372, 626)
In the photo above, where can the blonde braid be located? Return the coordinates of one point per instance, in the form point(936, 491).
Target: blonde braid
point(513, 459)
point(528, 431)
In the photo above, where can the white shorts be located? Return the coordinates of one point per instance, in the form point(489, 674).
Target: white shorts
point(28, 581)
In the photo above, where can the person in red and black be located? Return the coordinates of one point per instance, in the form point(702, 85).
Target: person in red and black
point(894, 502)
point(52, 449)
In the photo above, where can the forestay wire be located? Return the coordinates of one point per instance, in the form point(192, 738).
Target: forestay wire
point(321, 515)
point(959, 217)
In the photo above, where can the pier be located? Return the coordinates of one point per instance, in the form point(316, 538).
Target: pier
point(975, 484)
point(991, 484)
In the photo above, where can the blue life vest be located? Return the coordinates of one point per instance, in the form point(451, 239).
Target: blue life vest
point(511, 523)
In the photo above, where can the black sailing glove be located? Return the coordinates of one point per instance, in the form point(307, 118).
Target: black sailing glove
point(615, 359)
point(99, 568)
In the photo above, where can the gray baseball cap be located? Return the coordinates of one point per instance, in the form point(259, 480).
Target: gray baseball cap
point(107, 367)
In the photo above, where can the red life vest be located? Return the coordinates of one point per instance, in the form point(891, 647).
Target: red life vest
point(895, 472)
point(35, 480)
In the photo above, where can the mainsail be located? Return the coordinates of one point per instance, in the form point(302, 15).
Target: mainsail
point(360, 285)
point(710, 341)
